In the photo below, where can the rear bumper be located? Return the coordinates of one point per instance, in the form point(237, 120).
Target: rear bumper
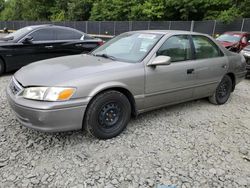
point(48, 120)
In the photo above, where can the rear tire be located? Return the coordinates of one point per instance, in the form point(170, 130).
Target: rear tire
point(107, 115)
point(222, 92)
point(2, 67)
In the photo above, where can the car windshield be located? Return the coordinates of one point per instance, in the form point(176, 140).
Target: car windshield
point(229, 38)
point(128, 47)
point(17, 34)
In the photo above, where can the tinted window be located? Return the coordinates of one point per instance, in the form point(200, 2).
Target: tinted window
point(67, 34)
point(176, 47)
point(205, 48)
point(43, 35)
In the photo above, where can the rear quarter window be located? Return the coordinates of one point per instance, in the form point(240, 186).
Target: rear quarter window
point(67, 34)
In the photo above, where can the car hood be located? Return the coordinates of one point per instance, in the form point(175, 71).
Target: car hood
point(227, 44)
point(57, 71)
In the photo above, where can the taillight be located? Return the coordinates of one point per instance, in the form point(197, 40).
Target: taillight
point(100, 43)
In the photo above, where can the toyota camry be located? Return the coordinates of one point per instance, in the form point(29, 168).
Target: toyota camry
point(133, 73)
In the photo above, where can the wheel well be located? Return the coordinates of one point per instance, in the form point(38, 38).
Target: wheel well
point(127, 93)
point(232, 76)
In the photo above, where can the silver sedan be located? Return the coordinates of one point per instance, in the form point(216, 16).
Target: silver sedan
point(133, 73)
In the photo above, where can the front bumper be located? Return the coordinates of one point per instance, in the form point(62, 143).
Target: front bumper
point(47, 116)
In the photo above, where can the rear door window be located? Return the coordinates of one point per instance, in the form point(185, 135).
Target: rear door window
point(205, 48)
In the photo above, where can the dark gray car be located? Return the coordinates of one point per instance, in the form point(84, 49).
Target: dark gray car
point(133, 73)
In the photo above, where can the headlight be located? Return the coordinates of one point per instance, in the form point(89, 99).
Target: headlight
point(48, 93)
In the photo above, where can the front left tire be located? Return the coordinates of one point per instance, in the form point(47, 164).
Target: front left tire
point(107, 114)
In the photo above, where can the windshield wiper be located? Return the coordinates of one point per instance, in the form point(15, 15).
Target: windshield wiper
point(105, 56)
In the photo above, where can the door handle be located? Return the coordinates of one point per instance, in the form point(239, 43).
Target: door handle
point(190, 71)
point(49, 47)
point(78, 45)
point(224, 66)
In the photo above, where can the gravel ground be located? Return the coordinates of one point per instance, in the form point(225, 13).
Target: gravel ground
point(195, 144)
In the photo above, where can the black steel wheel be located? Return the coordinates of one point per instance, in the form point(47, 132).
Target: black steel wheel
point(223, 91)
point(107, 115)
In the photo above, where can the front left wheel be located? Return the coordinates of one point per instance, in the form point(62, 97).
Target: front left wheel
point(107, 115)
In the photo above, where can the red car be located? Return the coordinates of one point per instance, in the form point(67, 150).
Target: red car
point(235, 40)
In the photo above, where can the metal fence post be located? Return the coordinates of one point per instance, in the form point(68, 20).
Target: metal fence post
point(114, 27)
point(75, 24)
point(214, 28)
point(170, 23)
point(242, 25)
point(130, 25)
point(148, 25)
point(86, 26)
point(99, 27)
point(192, 26)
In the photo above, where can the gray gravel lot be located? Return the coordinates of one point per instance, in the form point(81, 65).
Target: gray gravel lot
point(195, 144)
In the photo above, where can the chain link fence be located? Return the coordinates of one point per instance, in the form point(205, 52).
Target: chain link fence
point(118, 27)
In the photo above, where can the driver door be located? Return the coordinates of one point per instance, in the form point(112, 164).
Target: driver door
point(168, 84)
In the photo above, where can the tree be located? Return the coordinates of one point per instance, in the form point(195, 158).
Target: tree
point(12, 10)
point(113, 9)
point(60, 10)
point(149, 10)
point(79, 9)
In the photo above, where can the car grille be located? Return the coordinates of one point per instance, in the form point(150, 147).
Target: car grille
point(15, 87)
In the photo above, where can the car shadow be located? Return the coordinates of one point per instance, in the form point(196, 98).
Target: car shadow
point(81, 136)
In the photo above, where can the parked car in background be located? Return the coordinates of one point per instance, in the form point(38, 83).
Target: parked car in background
point(133, 73)
point(246, 53)
point(34, 43)
point(235, 40)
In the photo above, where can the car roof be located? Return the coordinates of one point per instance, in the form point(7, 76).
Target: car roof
point(33, 27)
point(164, 32)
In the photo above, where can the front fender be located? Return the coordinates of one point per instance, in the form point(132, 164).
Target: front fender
point(106, 86)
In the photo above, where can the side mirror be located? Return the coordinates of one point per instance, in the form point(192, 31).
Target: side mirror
point(161, 60)
point(28, 39)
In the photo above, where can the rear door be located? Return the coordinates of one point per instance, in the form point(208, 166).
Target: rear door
point(210, 65)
